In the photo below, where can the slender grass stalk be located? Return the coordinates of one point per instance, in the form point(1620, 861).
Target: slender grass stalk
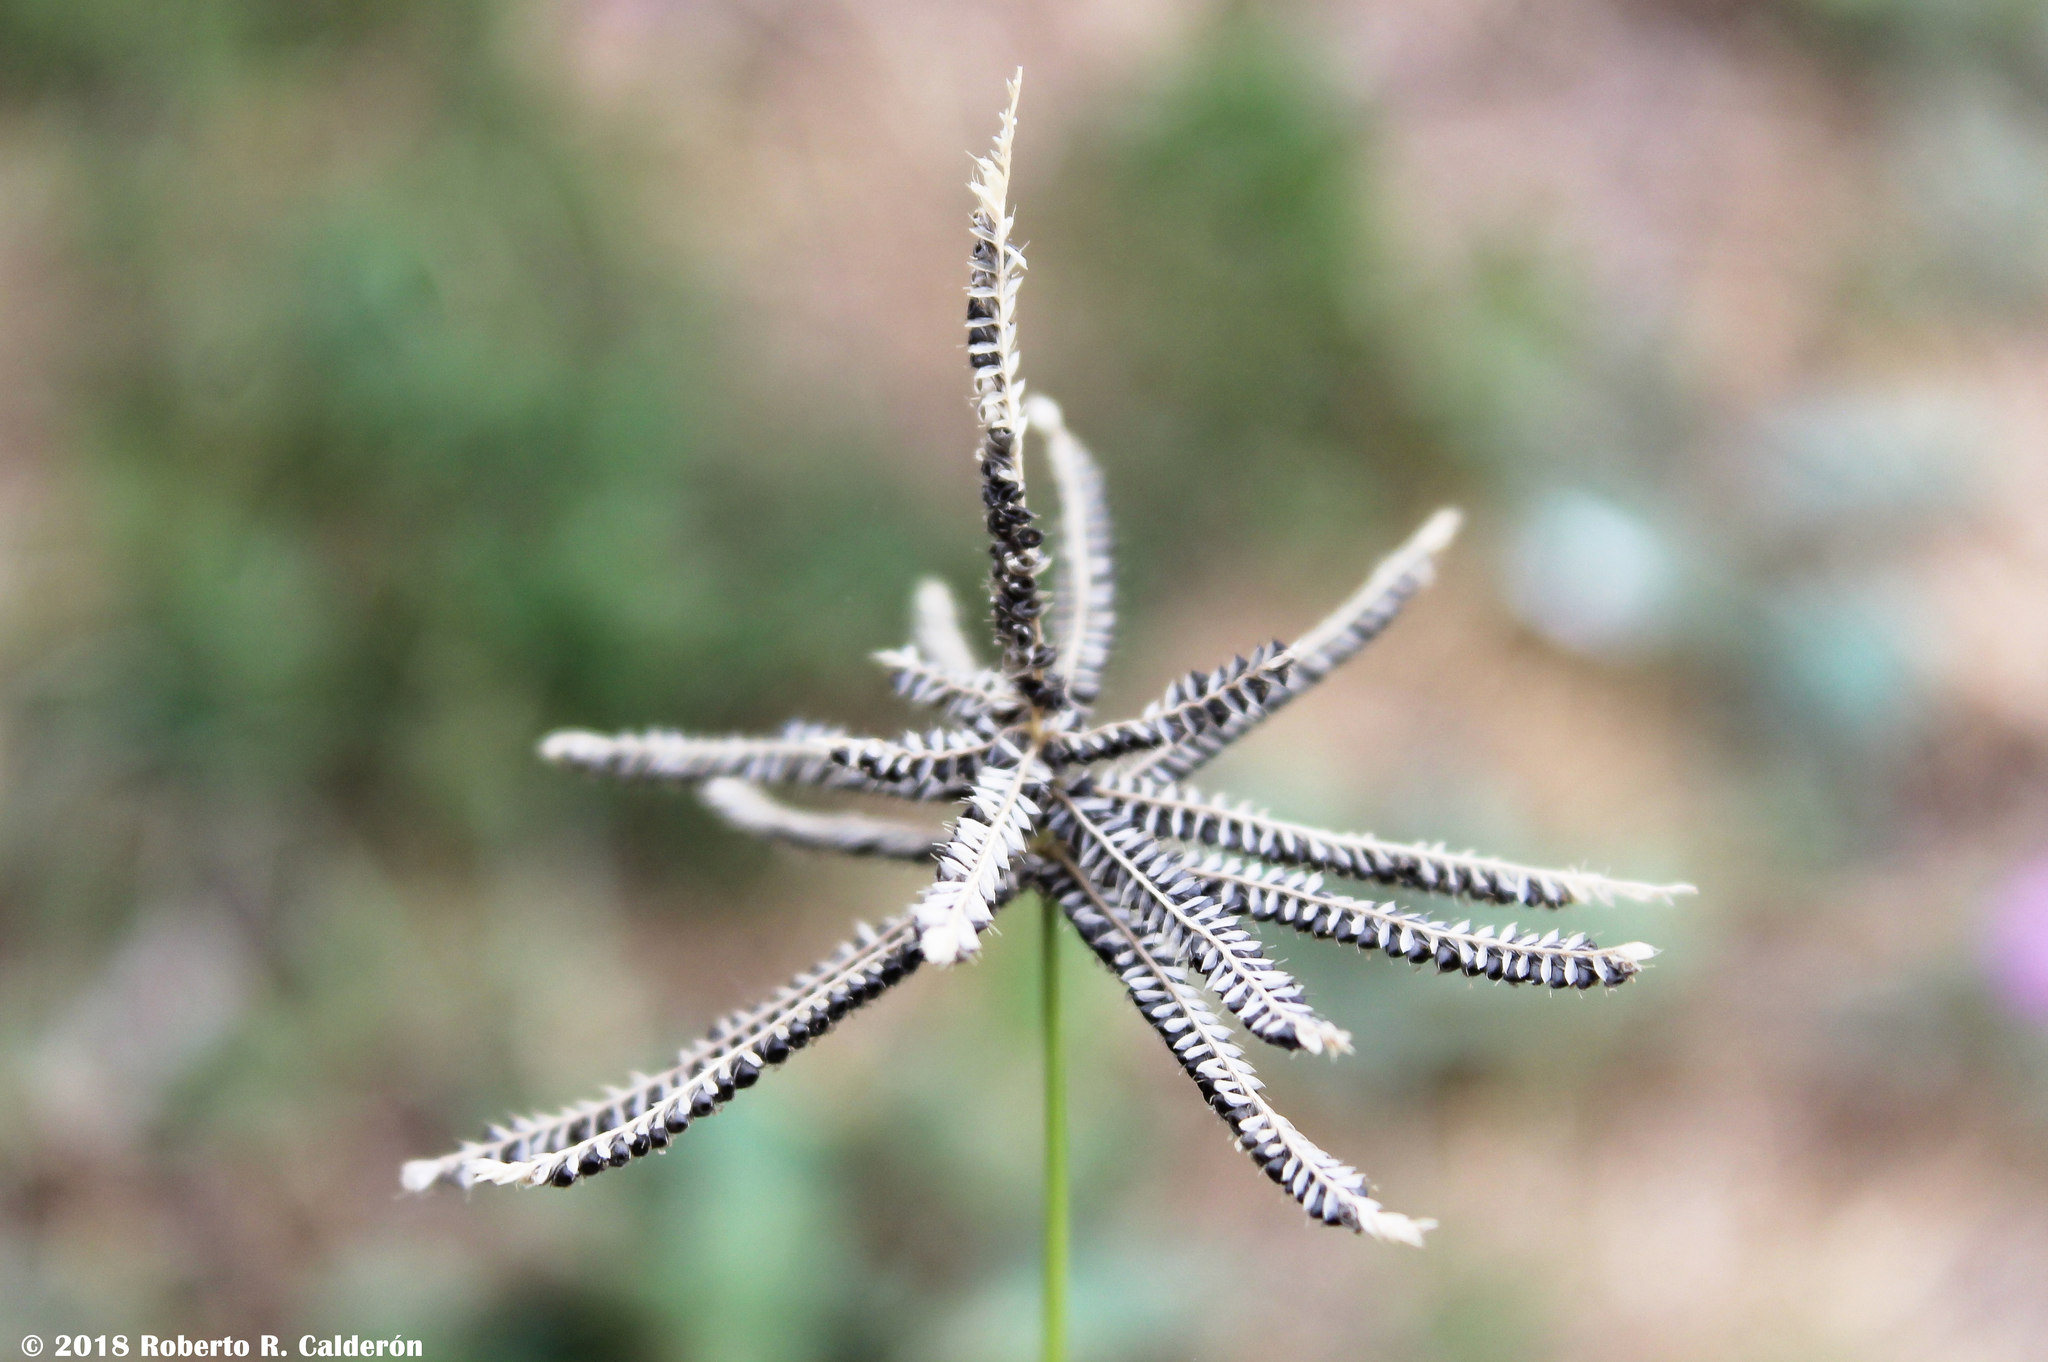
point(1055, 1139)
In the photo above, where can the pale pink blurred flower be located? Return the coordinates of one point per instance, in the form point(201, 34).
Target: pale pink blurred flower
point(2018, 936)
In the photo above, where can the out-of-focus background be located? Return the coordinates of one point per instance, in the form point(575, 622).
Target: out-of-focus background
point(384, 383)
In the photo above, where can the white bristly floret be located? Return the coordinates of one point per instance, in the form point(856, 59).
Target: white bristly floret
point(988, 838)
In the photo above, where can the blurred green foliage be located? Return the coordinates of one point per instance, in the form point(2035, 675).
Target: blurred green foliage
point(393, 453)
point(1214, 257)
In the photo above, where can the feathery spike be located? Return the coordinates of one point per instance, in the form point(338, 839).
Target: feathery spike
point(976, 861)
point(995, 272)
point(1183, 814)
point(965, 696)
point(1084, 611)
point(1333, 1193)
point(1294, 898)
point(1166, 901)
point(588, 1137)
point(803, 754)
point(1198, 702)
point(749, 808)
point(935, 628)
point(1336, 639)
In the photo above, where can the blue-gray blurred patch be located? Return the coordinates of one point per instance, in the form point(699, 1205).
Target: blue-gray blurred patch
point(1593, 576)
point(1831, 458)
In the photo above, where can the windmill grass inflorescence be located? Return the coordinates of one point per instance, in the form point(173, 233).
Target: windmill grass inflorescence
point(1158, 879)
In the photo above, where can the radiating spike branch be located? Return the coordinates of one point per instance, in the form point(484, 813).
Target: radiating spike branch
point(1084, 613)
point(1165, 900)
point(1333, 1193)
point(642, 1118)
point(1184, 814)
point(995, 272)
point(976, 863)
point(1196, 703)
point(1295, 898)
point(941, 760)
point(1337, 638)
point(966, 696)
point(749, 808)
point(802, 754)
point(935, 628)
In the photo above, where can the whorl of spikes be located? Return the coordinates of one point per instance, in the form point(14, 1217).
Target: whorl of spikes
point(751, 809)
point(976, 861)
point(1295, 898)
point(1333, 1193)
point(1038, 804)
point(963, 696)
point(1198, 702)
point(641, 1118)
point(1084, 615)
point(1335, 640)
point(1185, 815)
point(1165, 900)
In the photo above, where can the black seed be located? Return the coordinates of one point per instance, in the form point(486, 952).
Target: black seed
point(702, 1103)
point(592, 1163)
point(677, 1121)
point(563, 1175)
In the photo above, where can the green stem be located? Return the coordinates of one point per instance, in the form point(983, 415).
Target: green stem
point(1055, 1141)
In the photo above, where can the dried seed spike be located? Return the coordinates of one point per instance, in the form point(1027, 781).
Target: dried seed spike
point(1333, 1193)
point(751, 809)
point(1084, 627)
point(1163, 899)
point(704, 1074)
point(975, 862)
point(1160, 807)
point(935, 629)
point(1337, 638)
